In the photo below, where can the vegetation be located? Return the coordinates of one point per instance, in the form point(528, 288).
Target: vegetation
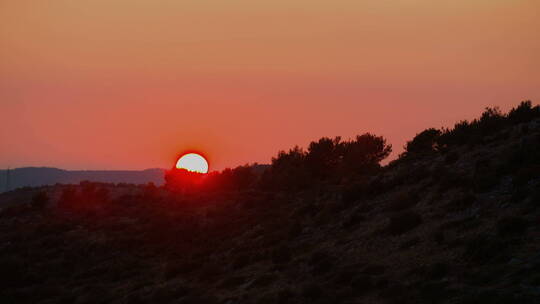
point(453, 220)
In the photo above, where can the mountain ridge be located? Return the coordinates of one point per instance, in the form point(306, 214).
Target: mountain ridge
point(41, 176)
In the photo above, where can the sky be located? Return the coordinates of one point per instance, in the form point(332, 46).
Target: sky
point(118, 84)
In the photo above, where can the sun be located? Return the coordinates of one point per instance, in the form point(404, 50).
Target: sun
point(192, 162)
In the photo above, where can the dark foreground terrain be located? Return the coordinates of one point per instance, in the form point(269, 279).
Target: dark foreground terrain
point(459, 223)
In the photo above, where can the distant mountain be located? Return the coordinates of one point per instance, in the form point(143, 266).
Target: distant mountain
point(34, 176)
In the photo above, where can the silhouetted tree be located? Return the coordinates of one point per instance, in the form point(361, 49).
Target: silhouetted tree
point(324, 156)
point(364, 154)
point(491, 121)
point(182, 180)
point(524, 112)
point(150, 191)
point(423, 142)
point(288, 171)
point(326, 159)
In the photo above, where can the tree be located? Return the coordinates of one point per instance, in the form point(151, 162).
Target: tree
point(40, 200)
point(524, 112)
point(288, 171)
point(364, 154)
point(324, 156)
point(423, 142)
point(182, 180)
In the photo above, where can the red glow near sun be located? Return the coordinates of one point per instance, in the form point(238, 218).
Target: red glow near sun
point(193, 162)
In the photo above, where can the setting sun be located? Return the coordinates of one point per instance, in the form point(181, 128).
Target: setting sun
point(192, 162)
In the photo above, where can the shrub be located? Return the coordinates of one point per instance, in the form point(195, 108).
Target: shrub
point(404, 222)
point(483, 249)
point(352, 221)
point(264, 280)
point(241, 261)
point(321, 262)
point(312, 291)
point(68, 198)
point(232, 282)
point(485, 176)
point(471, 133)
point(150, 191)
point(362, 284)
point(404, 200)
point(449, 179)
point(461, 202)
point(451, 157)
point(437, 271)
point(281, 255)
point(353, 192)
point(40, 200)
point(374, 269)
point(512, 225)
point(14, 272)
point(524, 175)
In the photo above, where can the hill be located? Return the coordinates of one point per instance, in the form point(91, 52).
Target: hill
point(454, 220)
point(33, 177)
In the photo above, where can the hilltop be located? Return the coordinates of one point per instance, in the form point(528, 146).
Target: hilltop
point(454, 220)
point(42, 176)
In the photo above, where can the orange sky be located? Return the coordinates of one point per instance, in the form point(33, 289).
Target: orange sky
point(114, 84)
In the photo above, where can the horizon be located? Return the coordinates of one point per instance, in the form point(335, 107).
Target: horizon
point(241, 81)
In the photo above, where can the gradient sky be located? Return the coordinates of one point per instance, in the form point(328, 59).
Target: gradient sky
point(114, 84)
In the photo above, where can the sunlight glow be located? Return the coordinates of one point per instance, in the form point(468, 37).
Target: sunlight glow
point(193, 162)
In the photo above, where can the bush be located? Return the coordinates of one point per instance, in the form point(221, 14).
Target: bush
point(14, 272)
point(264, 280)
point(437, 271)
point(472, 133)
point(68, 198)
point(483, 249)
point(524, 175)
point(461, 202)
point(485, 176)
point(404, 222)
point(281, 255)
point(312, 291)
point(362, 284)
point(40, 200)
point(353, 192)
point(512, 225)
point(404, 200)
point(451, 157)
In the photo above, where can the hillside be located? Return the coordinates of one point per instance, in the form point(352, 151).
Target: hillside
point(459, 223)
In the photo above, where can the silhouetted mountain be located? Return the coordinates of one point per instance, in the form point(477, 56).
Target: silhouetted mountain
point(454, 220)
point(33, 176)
